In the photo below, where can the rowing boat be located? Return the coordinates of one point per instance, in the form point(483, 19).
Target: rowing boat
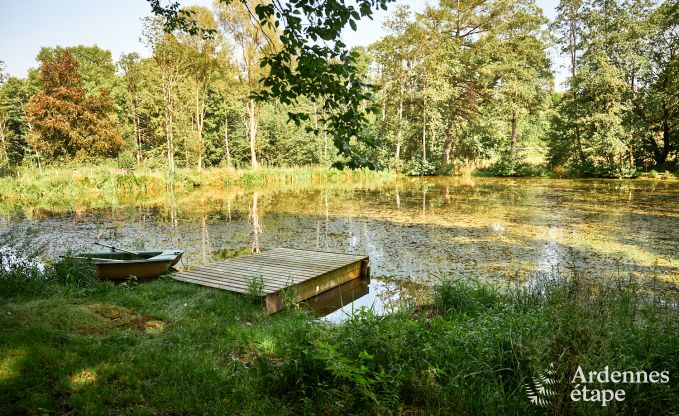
point(119, 265)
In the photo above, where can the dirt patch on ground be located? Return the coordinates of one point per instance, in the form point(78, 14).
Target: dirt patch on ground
point(122, 318)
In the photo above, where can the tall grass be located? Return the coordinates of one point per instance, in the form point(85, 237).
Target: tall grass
point(76, 182)
point(71, 345)
point(476, 348)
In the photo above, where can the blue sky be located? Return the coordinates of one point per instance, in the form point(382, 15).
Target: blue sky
point(28, 25)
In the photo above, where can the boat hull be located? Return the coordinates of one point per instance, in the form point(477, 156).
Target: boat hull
point(120, 265)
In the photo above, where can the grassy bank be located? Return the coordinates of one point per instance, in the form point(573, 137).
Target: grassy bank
point(104, 180)
point(54, 185)
point(70, 344)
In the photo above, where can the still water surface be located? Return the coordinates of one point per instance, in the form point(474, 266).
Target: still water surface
point(414, 229)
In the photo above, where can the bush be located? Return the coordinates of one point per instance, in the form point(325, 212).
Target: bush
point(419, 167)
point(21, 276)
point(506, 167)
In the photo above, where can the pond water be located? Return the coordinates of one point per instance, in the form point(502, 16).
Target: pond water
point(413, 229)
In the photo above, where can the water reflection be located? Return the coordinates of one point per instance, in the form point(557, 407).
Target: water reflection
point(412, 229)
point(335, 299)
point(256, 225)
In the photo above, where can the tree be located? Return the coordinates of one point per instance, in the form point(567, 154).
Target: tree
point(95, 65)
point(394, 55)
point(130, 65)
point(657, 105)
point(170, 64)
point(311, 62)
point(14, 97)
point(67, 122)
point(522, 69)
point(4, 154)
point(602, 39)
point(253, 42)
point(568, 27)
point(204, 58)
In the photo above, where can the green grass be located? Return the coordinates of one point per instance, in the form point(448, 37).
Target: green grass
point(72, 345)
point(53, 187)
point(97, 179)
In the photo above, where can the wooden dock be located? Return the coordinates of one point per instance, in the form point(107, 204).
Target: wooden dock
point(280, 274)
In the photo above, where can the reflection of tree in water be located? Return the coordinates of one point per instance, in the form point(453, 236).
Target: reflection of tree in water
point(398, 294)
point(398, 198)
point(205, 240)
point(424, 202)
point(327, 219)
point(456, 226)
point(256, 224)
point(326, 225)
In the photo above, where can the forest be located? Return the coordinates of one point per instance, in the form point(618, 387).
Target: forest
point(458, 87)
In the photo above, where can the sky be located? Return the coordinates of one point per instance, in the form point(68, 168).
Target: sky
point(116, 25)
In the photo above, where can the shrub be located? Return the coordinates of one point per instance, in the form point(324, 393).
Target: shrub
point(506, 167)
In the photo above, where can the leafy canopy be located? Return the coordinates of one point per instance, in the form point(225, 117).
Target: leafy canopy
point(312, 61)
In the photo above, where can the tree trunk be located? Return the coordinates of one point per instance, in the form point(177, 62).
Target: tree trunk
point(37, 156)
point(226, 141)
point(135, 125)
point(37, 153)
point(252, 132)
point(573, 46)
point(4, 156)
point(256, 225)
point(384, 105)
point(325, 145)
point(424, 130)
point(139, 138)
point(665, 137)
point(631, 155)
point(169, 121)
point(513, 152)
point(199, 126)
point(205, 239)
point(399, 130)
point(447, 145)
point(324, 154)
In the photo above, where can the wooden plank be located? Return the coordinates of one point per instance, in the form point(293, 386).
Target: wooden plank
point(283, 276)
point(338, 297)
point(243, 279)
point(283, 259)
point(272, 272)
point(281, 268)
point(270, 282)
point(282, 263)
point(233, 281)
point(311, 287)
point(315, 257)
point(211, 283)
point(282, 282)
point(319, 252)
point(303, 260)
point(306, 273)
point(312, 253)
point(278, 269)
point(240, 281)
point(305, 263)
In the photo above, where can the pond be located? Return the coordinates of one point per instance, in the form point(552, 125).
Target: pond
point(415, 230)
